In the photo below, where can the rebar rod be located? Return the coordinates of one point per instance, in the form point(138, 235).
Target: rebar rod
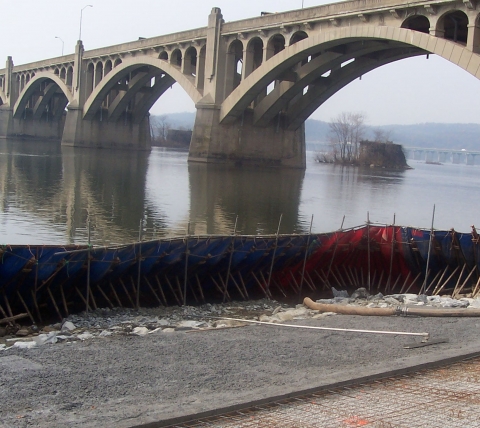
point(351, 330)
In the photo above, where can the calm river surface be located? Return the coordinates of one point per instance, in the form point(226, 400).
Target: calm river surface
point(47, 192)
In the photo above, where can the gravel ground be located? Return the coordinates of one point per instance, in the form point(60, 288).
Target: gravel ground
point(127, 380)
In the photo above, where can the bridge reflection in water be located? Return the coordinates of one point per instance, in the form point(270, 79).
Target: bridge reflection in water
point(47, 192)
point(218, 194)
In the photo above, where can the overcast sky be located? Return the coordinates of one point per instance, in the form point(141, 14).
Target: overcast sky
point(415, 90)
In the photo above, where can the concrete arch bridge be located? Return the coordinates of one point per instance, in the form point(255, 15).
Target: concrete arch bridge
point(254, 82)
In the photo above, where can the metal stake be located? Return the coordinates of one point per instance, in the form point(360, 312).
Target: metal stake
point(305, 259)
point(274, 252)
point(424, 286)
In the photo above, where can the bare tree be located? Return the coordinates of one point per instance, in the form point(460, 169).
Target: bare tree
point(346, 131)
point(382, 135)
point(160, 127)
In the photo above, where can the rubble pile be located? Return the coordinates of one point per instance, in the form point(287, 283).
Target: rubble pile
point(103, 323)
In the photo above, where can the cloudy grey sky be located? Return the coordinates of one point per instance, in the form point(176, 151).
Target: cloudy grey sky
point(416, 90)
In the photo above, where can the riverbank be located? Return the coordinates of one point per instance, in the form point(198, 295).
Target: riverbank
point(132, 377)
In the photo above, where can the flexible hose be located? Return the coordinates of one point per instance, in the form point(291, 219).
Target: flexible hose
point(399, 310)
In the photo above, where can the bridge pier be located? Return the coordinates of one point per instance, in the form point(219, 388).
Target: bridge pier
point(30, 128)
point(98, 133)
point(241, 143)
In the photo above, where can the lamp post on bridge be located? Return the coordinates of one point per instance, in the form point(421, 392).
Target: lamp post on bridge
point(63, 43)
point(81, 13)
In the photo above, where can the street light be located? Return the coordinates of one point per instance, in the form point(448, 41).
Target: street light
point(63, 43)
point(81, 13)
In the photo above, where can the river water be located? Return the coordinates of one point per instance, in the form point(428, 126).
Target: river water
point(47, 192)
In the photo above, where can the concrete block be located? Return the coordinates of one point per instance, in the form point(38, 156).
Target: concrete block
point(456, 54)
point(440, 46)
point(397, 34)
point(474, 64)
point(465, 59)
point(424, 39)
point(389, 32)
point(432, 42)
point(403, 35)
point(447, 50)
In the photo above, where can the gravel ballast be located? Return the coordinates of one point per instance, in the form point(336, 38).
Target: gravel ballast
point(168, 369)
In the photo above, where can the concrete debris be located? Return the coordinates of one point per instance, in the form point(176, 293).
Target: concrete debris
point(44, 339)
point(360, 293)
point(103, 323)
point(339, 293)
point(24, 345)
point(68, 326)
point(85, 336)
point(140, 331)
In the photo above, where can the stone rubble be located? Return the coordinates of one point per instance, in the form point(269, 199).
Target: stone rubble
point(106, 322)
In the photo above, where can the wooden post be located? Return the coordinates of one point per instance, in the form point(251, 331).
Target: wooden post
point(161, 290)
point(54, 303)
point(441, 287)
point(139, 263)
point(454, 295)
point(152, 290)
point(179, 301)
point(88, 266)
point(232, 248)
point(105, 297)
point(335, 248)
point(273, 256)
point(424, 286)
point(368, 249)
point(305, 261)
point(37, 309)
point(405, 282)
point(243, 284)
point(186, 266)
point(63, 299)
point(25, 306)
point(116, 295)
point(200, 287)
point(126, 292)
point(7, 303)
point(387, 288)
point(81, 296)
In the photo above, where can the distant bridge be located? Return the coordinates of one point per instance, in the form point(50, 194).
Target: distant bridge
point(254, 82)
point(470, 157)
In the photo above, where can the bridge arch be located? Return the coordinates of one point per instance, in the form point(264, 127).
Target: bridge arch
point(453, 25)
point(42, 98)
point(233, 66)
point(297, 36)
point(275, 44)
point(340, 55)
point(417, 23)
point(142, 70)
point(253, 56)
